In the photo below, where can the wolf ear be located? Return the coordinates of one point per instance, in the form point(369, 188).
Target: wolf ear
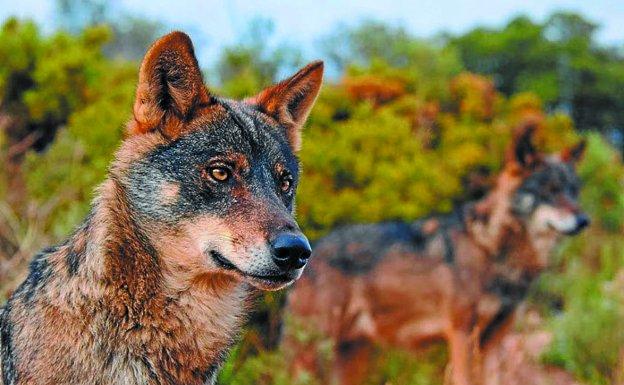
point(575, 153)
point(291, 100)
point(522, 151)
point(170, 88)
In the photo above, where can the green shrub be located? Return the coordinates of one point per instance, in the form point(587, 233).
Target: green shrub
point(65, 175)
point(388, 141)
point(589, 276)
point(589, 333)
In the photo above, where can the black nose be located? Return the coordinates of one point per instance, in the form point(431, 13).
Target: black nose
point(582, 221)
point(291, 251)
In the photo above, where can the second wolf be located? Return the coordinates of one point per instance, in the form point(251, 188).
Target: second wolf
point(457, 277)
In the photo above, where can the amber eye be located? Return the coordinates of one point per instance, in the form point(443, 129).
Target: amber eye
point(220, 174)
point(286, 183)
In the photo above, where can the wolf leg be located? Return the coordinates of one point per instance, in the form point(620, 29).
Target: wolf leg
point(493, 353)
point(463, 365)
point(353, 361)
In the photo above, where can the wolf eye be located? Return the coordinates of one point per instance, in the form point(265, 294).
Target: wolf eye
point(219, 173)
point(554, 189)
point(286, 183)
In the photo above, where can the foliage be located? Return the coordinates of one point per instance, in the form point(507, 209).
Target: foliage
point(413, 148)
point(263, 369)
point(78, 159)
point(401, 134)
point(559, 60)
point(65, 80)
point(131, 35)
point(589, 333)
point(64, 75)
point(51, 77)
point(395, 366)
point(588, 336)
point(253, 62)
point(273, 367)
point(399, 367)
point(603, 174)
point(391, 52)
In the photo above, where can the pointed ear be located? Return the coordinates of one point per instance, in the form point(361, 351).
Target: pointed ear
point(291, 100)
point(522, 151)
point(170, 88)
point(575, 153)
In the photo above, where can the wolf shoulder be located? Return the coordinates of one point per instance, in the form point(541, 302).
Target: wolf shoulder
point(357, 249)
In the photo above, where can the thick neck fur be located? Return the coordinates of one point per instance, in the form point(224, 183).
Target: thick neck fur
point(501, 234)
point(149, 327)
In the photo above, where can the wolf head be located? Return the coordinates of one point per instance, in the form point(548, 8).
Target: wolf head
point(212, 181)
point(547, 197)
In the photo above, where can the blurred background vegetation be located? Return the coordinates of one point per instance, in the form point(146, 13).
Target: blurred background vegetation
point(406, 127)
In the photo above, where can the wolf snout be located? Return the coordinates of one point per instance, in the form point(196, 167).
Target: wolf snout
point(582, 221)
point(290, 251)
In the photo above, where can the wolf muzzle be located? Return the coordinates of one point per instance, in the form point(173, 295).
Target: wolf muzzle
point(290, 251)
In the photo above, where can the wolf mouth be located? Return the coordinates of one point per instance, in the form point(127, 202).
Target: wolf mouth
point(224, 263)
point(573, 231)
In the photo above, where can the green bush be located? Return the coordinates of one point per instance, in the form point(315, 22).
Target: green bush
point(589, 279)
point(65, 175)
point(589, 333)
point(396, 138)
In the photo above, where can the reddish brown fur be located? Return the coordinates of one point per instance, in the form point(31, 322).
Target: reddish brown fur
point(276, 100)
point(172, 328)
point(188, 98)
point(128, 299)
point(407, 299)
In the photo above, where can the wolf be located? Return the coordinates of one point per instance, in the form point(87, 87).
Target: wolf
point(456, 277)
point(195, 216)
